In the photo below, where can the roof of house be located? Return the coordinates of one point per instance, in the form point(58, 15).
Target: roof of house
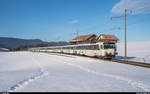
point(110, 37)
point(82, 37)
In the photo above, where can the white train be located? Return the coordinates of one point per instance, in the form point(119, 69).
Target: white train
point(105, 49)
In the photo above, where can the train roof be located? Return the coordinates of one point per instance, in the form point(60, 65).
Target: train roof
point(71, 45)
point(68, 45)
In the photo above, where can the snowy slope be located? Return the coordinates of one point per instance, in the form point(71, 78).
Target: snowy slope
point(27, 71)
point(136, 51)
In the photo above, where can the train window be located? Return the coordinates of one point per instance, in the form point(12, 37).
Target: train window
point(91, 47)
point(95, 47)
point(86, 47)
point(74, 47)
point(71, 47)
point(83, 47)
point(79, 47)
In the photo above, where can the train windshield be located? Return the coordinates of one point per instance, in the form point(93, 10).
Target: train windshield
point(108, 45)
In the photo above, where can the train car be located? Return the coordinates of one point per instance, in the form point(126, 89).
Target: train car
point(105, 49)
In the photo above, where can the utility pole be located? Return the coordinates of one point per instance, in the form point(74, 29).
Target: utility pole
point(125, 32)
point(77, 32)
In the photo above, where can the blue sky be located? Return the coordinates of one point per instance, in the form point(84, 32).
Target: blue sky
point(56, 20)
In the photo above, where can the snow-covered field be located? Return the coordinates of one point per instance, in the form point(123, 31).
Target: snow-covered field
point(28, 71)
point(136, 51)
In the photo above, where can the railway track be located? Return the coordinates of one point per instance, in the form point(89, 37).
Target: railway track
point(140, 64)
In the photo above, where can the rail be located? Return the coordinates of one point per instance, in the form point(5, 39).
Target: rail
point(142, 64)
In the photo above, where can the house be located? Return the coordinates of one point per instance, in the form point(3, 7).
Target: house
point(104, 37)
point(84, 39)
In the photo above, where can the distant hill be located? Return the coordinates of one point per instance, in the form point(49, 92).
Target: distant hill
point(8, 42)
point(60, 43)
point(3, 49)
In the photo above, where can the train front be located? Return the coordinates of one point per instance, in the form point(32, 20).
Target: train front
point(109, 49)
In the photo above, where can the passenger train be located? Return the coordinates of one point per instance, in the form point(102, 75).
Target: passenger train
point(105, 49)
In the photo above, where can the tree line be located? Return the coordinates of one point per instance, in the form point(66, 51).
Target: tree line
point(25, 47)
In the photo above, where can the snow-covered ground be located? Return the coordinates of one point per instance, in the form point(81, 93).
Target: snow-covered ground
point(28, 71)
point(136, 51)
